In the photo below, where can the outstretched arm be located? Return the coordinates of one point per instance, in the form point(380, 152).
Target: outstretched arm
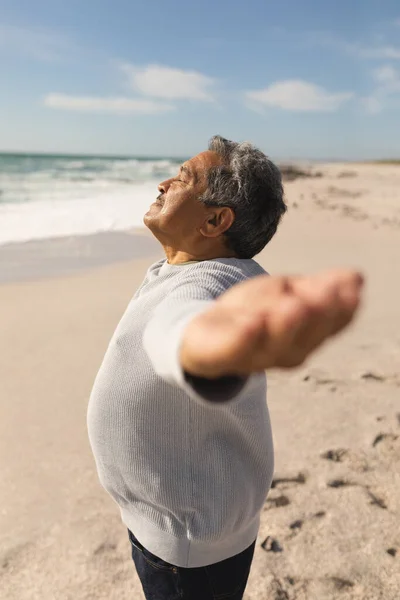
point(268, 322)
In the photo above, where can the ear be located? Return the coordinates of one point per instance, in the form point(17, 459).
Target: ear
point(218, 221)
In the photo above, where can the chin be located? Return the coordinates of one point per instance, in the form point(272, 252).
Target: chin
point(154, 209)
point(150, 220)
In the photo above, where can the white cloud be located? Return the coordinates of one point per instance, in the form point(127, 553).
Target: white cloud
point(375, 50)
point(37, 43)
point(157, 86)
point(372, 105)
point(379, 52)
point(387, 76)
point(112, 105)
point(387, 80)
point(158, 81)
point(298, 95)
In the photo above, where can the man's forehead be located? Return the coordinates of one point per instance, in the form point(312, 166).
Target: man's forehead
point(201, 163)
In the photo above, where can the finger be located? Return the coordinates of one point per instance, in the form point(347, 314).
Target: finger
point(335, 311)
point(333, 295)
point(350, 299)
point(283, 325)
point(329, 305)
point(319, 306)
point(339, 276)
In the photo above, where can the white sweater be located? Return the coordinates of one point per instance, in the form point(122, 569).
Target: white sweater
point(188, 461)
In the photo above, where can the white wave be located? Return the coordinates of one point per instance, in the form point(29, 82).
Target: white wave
point(72, 164)
point(56, 179)
point(50, 196)
point(117, 210)
point(123, 165)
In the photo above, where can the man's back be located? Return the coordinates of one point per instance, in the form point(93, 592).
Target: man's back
point(189, 472)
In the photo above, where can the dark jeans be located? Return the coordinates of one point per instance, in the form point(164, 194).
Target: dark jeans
point(225, 580)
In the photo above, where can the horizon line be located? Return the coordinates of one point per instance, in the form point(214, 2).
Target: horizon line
point(38, 153)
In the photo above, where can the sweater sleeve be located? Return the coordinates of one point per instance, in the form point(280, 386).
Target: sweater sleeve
point(164, 332)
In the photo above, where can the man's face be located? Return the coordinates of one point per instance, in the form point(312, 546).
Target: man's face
point(177, 214)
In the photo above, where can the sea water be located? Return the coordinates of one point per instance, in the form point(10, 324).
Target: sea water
point(47, 196)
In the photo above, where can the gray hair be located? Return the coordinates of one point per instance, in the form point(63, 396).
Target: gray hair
point(250, 184)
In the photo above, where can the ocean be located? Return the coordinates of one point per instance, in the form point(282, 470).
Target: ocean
point(50, 196)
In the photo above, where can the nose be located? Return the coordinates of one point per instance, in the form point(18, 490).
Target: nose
point(164, 186)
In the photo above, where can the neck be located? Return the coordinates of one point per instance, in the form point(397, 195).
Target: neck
point(176, 257)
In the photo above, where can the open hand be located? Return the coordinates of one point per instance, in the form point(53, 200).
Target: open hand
point(269, 322)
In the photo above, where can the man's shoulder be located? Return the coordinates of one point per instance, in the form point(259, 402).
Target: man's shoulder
point(208, 277)
point(199, 280)
point(241, 268)
point(218, 275)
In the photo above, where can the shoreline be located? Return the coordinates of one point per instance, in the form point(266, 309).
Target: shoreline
point(68, 255)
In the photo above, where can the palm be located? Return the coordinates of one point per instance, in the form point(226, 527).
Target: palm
point(269, 322)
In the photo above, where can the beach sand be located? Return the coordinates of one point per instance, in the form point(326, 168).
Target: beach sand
point(332, 517)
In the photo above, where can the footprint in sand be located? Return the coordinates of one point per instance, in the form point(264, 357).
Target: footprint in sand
point(337, 584)
point(296, 524)
point(384, 437)
point(338, 483)
point(287, 481)
point(320, 379)
point(394, 379)
point(376, 498)
point(286, 587)
point(277, 589)
point(275, 498)
point(356, 461)
point(387, 446)
point(271, 544)
point(104, 548)
point(289, 588)
point(276, 502)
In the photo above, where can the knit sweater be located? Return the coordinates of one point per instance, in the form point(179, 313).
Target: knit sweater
point(188, 461)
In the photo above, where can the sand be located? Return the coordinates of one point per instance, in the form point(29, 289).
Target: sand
point(332, 517)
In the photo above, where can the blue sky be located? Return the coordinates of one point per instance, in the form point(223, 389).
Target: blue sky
point(299, 78)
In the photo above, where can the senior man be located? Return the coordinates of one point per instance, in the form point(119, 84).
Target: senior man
point(178, 419)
